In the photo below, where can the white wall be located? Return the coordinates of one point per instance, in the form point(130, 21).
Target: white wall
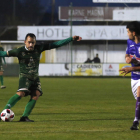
point(108, 54)
point(80, 53)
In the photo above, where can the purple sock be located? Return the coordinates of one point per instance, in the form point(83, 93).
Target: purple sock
point(137, 111)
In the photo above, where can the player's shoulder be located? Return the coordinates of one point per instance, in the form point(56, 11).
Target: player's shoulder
point(21, 48)
point(38, 47)
point(18, 49)
point(130, 42)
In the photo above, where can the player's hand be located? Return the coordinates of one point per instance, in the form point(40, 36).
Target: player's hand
point(77, 38)
point(125, 70)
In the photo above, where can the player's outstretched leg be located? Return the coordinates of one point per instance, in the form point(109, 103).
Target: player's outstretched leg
point(27, 111)
point(12, 101)
point(135, 125)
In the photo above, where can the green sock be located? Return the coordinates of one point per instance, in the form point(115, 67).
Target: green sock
point(12, 101)
point(29, 107)
point(1, 79)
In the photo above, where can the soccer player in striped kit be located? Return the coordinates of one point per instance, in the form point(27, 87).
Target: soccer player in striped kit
point(133, 56)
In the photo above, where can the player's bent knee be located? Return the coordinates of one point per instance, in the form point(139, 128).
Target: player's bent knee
point(21, 93)
point(36, 96)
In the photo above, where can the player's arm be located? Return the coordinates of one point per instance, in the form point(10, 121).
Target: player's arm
point(3, 54)
point(13, 52)
point(65, 41)
point(128, 70)
point(129, 60)
point(61, 43)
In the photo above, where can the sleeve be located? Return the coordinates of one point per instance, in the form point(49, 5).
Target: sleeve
point(56, 44)
point(13, 52)
point(3, 54)
point(127, 49)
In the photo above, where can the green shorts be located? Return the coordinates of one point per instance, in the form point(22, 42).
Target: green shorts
point(28, 85)
point(1, 68)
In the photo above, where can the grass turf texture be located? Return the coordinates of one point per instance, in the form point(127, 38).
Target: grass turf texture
point(73, 109)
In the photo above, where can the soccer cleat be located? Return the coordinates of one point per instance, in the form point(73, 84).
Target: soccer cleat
point(25, 119)
point(2, 87)
point(135, 126)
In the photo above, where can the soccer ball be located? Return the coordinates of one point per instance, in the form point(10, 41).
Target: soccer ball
point(7, 115)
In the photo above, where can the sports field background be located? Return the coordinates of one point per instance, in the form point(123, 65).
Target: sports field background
point(73, 109)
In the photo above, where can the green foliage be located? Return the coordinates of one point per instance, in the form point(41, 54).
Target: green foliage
point(73, 109)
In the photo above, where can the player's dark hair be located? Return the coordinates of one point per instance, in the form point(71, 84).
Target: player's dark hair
point(134, 26)
point(30, 35)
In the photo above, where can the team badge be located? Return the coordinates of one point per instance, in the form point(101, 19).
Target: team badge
point(23, 53)
point(31, 59)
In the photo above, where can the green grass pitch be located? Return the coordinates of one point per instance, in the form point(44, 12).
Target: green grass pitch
point(73, 109)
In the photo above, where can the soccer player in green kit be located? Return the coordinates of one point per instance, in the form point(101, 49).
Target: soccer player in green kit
point(29, 83)
point(1, 69)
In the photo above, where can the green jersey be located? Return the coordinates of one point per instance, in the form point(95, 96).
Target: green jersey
point(29, 60)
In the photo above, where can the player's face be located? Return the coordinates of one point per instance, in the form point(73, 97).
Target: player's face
point(130, 34)
point(30, 43)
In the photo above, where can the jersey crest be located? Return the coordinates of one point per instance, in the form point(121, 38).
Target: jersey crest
point(23, 53)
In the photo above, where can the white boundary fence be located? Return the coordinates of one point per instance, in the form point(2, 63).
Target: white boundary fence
point(81, 69)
